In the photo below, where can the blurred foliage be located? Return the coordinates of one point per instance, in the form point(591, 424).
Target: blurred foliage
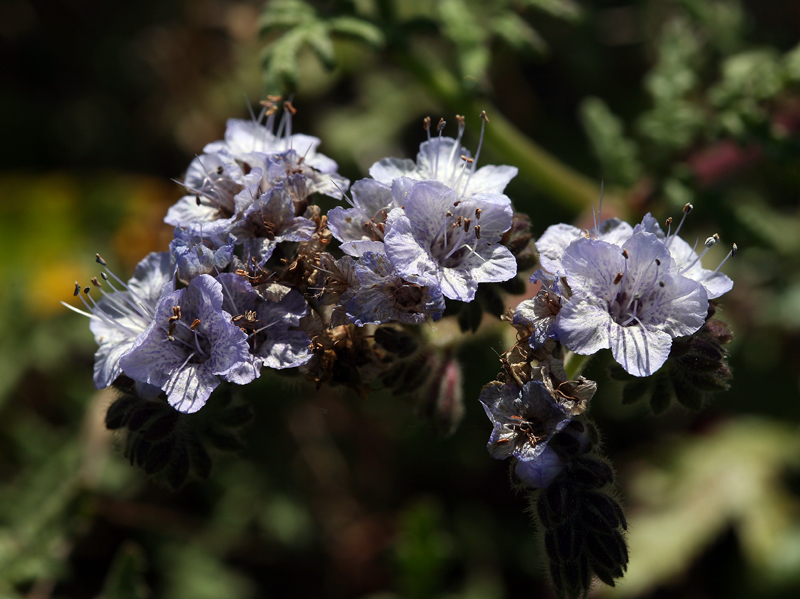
point(666, 101)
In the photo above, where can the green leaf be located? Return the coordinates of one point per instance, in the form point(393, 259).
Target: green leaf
point(679, 56)
point(517, 33)
point(563, 9)
point(319, 40)
point(616, 153)
point(280, 60)
point(283, 14)
point(359, 29)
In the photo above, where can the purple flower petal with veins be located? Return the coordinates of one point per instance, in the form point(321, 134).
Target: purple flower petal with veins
point(455, 242)
point(524, 419)
point(630, 299)
point(382, 295)
point(189, 346)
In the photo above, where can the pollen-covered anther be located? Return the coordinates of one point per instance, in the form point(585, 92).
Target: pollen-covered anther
point(713, 240)
point(195, 324)
point(668, 222)
point(99, 259)
point(426, 123)
point(95, 282)
point(618, 278)
point(271, 105)
point(467, 222)
point(625, 254)
point(688, 208)
point(484, 117)
point(478, 213)
point(477, 231)
point(460, 119)
point(440, 126)
point(288, 106)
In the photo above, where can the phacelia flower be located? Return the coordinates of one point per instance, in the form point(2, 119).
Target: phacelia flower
point(269, 220)
point(219, 191)
point(382, 295)
point(190, 344)
point(555, 240)
point(371, 203)
point(631, 299)
point(197, 253)
point(688, 263)
point(541, 471)
point(444, 159)
point(455, 242)
point(270, 327)
point(118, 318)
point(245, 138)
point(540, 312)
point(524, 421)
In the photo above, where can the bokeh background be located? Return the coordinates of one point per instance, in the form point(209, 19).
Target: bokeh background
point(103, 104)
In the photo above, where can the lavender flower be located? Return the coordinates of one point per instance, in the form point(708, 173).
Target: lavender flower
point(540, 312)
point(268, 325)
point(219, 193)
point(524, 420)
point(118, 318)
point(271, 219)
point(244, 139)
point(190, 344)
point(383, 295)
point(372, 201)
point(630, 299)
point(444, 159)
point(454, 242)
point(200, 254)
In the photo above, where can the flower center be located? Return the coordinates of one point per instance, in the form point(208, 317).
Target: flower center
point(188, 334)
point(456, 238)
point(407, 296)
point(637, 297)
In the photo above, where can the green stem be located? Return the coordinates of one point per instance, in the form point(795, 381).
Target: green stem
point(548, 174)
point(574, 364)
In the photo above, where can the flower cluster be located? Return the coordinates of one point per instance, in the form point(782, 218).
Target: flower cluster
point(210, 309)
point(257, 277)
point(250, 251)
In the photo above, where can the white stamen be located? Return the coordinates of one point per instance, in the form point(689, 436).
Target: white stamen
point(731, 254)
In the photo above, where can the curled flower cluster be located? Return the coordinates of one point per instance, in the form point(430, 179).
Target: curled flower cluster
point(250, 259)
point(257, 277)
